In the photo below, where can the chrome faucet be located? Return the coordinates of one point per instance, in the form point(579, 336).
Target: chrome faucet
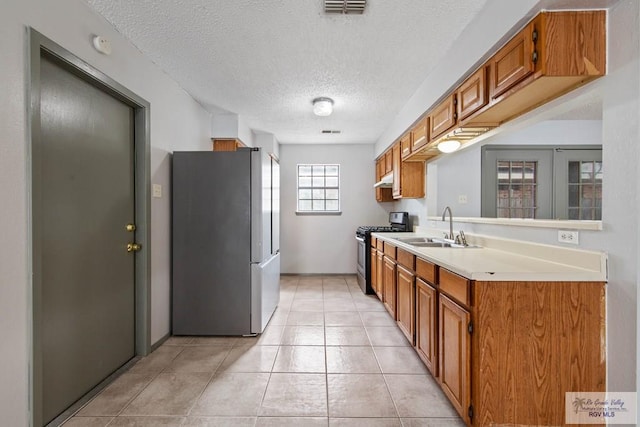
point(451, 235)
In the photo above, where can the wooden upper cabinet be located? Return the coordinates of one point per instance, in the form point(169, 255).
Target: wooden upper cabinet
point(420, 134)
point(443, 117)
point(397, 164)
point(227, 144)
point(388, 162)
point(473, 94)
point(382, 194)
point(513, 62)
point(405, 145)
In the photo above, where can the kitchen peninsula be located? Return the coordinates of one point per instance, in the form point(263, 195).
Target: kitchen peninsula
point(506, 335)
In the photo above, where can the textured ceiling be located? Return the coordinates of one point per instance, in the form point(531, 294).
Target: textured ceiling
point(266, 60)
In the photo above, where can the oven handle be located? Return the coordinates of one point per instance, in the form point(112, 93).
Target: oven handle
point(360, 239)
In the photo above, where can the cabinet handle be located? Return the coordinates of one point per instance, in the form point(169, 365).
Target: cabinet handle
point(534, 35)
point(534, 56)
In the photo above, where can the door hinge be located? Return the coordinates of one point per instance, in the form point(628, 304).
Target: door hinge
point(470, 412)
point(470, 327)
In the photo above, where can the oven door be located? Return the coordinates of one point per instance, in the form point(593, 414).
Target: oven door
point(361, 267)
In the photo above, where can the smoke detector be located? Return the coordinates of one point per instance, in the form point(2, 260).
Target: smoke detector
point(345, 6)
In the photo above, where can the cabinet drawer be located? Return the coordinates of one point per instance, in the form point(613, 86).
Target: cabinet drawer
point(426, 270)
point(389, 250)
point(380, 245)
point(374, 242)
point(406, 259)
point(457, 287)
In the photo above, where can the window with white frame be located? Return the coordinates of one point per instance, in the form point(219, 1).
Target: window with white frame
point(318, 188)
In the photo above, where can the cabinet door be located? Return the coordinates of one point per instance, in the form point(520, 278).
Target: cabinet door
point(380, 275)
point(406, 307)
point(455, 355)
point(389, 283)
point(426, 325)
point(405, 146)
point(388, 162)
point(472, 94)
point(397, 173)
point(374, 270)
point(443, 117)
point(420, 134)
point(512, 63)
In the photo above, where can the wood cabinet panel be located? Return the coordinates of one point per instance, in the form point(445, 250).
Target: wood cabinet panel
point(226, 144)
point(388, 162)
point(512, 63)
point(406, 259)
point(380, 275)
point(374, 269)
point(389, 283)
point(420, 134)
point(443, 116)
point(380, 245)
point(454, 357)
point(374, 242)
point(390, 250)
point(456, 287)
point(405, 145)
point(427, 325)
point(406, 305)
point(382, 194)
point(473, 94)
point(397, 163)
point(533, 342)
point(426, 270)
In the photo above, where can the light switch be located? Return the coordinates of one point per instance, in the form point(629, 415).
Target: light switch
point(157, 191)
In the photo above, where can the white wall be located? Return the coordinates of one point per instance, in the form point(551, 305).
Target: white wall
point(459, 173)
point(326, 243)
point(177, 122)
point(620, 237)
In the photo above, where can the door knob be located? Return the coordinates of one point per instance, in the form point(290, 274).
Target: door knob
point(131, 227)
point(133, 247)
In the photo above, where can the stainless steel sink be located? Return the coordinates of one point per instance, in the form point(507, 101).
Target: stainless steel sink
point(429, 242)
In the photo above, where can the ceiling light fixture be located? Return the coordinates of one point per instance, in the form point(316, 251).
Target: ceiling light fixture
point(322, 106)
point(449, 145)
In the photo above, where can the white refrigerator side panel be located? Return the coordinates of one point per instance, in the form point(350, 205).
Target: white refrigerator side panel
point(265, 292)
point(275, 206)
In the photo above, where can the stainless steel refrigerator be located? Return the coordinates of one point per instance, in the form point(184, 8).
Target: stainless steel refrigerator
point(226, 253)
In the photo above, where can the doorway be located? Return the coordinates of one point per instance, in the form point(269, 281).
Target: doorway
point(89, 205)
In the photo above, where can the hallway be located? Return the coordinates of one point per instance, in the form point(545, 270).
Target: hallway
point(329, 356)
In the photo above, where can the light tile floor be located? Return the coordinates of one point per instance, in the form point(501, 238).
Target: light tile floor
point(331, 356)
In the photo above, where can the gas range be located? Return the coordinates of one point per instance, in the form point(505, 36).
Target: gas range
point(398, 222)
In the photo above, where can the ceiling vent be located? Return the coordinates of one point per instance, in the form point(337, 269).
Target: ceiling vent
point(345, 6)
point(331, 131)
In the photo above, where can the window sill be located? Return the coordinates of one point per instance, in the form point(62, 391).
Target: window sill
point(318, 213)
point(536, 223)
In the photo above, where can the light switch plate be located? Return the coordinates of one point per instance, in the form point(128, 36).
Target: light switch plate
point(568, 236)
point(157, 191)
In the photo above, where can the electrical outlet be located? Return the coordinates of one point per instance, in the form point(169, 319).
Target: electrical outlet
point(157, 191)
point(462, 199)
point(568, 236)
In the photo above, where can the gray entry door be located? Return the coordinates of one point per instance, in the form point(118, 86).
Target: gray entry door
point(86, 194)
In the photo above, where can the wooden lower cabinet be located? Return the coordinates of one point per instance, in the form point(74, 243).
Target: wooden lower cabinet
point(406, 303)
point(389, 283)
point(427, 325)
point(379, 289)
point(454, 359)
point(374, 270)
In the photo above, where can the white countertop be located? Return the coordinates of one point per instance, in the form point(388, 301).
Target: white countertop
point(504, 260)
